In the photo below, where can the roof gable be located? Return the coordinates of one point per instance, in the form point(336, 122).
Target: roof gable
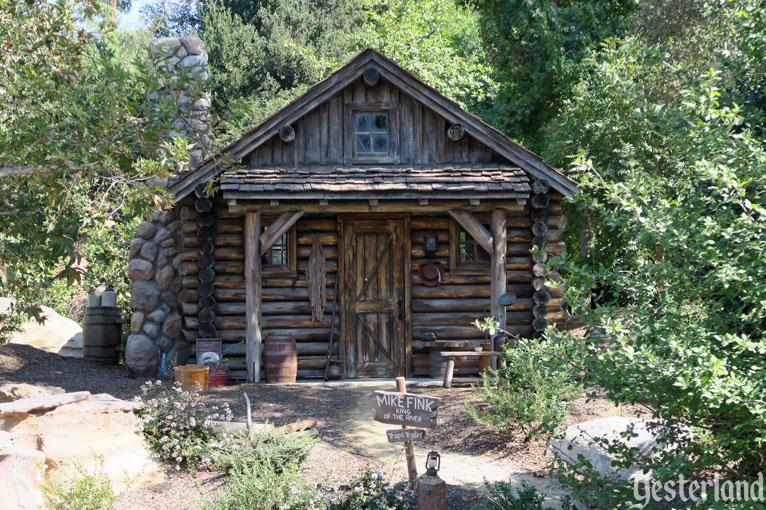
point(405, 84)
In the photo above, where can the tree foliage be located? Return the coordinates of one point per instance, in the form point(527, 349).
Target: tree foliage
point(77, 134)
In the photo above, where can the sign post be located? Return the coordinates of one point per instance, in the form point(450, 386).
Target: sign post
point(412, 468)
point(407, 410)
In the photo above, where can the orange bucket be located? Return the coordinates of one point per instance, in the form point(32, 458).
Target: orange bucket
point(188, 375)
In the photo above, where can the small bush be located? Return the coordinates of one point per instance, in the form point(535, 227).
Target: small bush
point(370, 491)
point(258, 486)
point(276, 450)
point(501, 497)
point(89, 491)
point(530, 392)
point(178, 426)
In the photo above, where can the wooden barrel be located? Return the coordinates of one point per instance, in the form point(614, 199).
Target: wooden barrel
point(280, 360)
point(102, 334)
point(193, 377)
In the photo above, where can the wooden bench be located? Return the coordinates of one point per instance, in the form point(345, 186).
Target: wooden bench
point(451, 355)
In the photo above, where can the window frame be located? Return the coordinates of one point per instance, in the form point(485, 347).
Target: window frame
point(350, 133)
point(467, 268)
point(285, 270)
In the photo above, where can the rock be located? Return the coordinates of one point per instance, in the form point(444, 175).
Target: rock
point(146, 230)
point(144, 296)
point(141, 355)
point(165, 277)
point(139, 269)
point(22, 472)
point(176, 261)
point(57, 334)
point(178, 353)
point(161, 235)
point(170, 298)
point(136, 321)
point(201, 104)
point(96, 433)
point(135, 247)
point(149, 251)
point(10, 392)
point(164, 343)
point(157, 316)
point(194, 61)
point(165, 45)
point(581, 439)
point(169, 252)
point(172, 326)
point(175, 227)
point(181, 52)
point(151, 329)
point(193, 44)
point(168, 242)
point(37, 404)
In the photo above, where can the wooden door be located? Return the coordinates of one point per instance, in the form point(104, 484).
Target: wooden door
point(373, 297)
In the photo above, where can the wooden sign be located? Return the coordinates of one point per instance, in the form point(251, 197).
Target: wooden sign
point(404, 409)
point(402, 435)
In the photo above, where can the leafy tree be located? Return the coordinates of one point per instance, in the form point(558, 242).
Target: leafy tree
point(439, 42)
point(78, 141)
point(171, 18)
point(536, 48)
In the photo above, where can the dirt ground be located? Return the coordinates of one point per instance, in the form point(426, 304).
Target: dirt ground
point(338, 410)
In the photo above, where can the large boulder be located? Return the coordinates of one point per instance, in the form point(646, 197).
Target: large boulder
point(17, 391)
point(144, 296)
point(75, 432)
point(22, 471)
point(142, 355)
point(590, 440)
point(56, 334)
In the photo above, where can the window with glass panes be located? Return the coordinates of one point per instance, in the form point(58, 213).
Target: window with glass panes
point(371, 133)
point(280, 259)
point(277, 254)
point(466, 255)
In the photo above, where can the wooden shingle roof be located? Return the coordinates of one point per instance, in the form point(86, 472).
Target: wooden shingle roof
point(489, 180)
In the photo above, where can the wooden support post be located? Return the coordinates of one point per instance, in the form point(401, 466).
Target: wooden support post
point(449, 373)
point(253, 340)
point(412, 469)
point(499, 279)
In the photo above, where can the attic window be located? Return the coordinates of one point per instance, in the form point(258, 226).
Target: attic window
point(371, 133)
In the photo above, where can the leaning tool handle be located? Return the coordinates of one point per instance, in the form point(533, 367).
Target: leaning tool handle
point(332, 328)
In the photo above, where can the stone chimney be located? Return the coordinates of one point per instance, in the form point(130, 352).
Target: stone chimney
point(185, 59)
point(156, 326)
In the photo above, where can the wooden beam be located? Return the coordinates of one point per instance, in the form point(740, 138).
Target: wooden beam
point(279, 227)
point(474, 228)
point(253, 339)
point(360, 206)
point(499, 279)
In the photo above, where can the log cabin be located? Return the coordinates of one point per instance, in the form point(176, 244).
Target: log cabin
point(371, 209)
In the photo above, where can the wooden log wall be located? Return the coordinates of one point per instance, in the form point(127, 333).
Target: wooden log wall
point(320, 135)
point(286, 307)
point(446, 311)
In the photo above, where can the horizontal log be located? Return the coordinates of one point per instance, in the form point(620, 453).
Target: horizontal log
point(301, 334)
point(330, 252)
point(435, 206)
point(304, 348)
point(464, 319)
point(464, 305)
point(317, 225)
point(325, 239)
point(222, 295)
point(427, 345)
point(460, 332)
point(465, 291)
point(423, 361)
point(267, 308)
point(220, 267)
point(293, 282)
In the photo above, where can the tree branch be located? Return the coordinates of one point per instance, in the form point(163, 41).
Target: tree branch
point(13, 171)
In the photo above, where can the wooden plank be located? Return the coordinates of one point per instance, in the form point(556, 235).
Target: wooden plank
point(475, 229)
point(335, 129)
point(404, 408)
point(253, 338)
point(276, 229)
point(404, 435)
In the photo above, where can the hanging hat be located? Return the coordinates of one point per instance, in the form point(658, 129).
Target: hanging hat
point(431, 274)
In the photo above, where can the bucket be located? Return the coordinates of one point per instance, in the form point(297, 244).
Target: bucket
point(188, 375)
point(102, 334)
point(219, 376)
point(280, 359)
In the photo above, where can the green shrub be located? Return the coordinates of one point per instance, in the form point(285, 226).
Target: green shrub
point(530, 393)
point(258, 486)
point(501, 497)
point(88, 491)
point(369, 491)
point(276, 450)
point(178, 425)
